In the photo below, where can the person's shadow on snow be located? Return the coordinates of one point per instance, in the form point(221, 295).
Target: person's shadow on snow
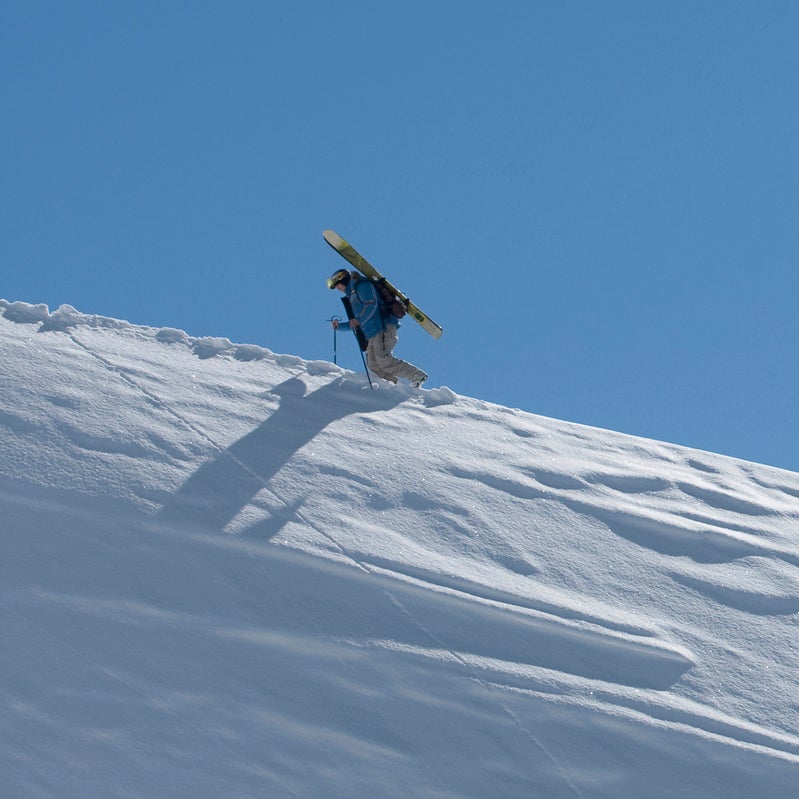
point(221, 487)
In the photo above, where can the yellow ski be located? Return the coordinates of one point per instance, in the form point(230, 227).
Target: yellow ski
point(347, 251)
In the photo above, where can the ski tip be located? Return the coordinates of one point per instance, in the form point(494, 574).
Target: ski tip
point(333, 239)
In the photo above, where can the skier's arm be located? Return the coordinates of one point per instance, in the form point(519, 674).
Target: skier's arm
point(353, 323)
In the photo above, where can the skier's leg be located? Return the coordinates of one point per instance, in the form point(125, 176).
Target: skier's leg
point(385, 361)
point(374, 362)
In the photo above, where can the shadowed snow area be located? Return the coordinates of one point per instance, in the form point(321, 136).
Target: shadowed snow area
point(231, 573)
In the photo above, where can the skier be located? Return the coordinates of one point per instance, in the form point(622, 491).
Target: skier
point(380, 331)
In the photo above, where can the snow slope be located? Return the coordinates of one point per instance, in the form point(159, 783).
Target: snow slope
point(230, 573)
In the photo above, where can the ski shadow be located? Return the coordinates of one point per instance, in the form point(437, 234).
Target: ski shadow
point(221, 487)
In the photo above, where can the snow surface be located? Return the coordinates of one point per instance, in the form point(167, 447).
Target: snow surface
point(231, 573)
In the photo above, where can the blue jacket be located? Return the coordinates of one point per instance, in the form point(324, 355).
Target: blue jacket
point(366, 306)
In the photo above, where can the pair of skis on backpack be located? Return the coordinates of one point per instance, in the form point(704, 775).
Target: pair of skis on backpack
point(347, 251)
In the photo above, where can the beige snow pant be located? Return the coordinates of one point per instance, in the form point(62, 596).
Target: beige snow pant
point(381, 361)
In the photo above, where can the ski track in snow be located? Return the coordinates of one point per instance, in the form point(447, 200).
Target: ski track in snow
point(448, 548)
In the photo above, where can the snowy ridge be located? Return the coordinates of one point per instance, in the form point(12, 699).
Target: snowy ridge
point(234, 573)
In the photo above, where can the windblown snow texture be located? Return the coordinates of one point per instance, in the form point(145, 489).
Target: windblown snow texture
point(227, 572)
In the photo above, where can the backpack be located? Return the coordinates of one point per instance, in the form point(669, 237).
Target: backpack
point(390, 304)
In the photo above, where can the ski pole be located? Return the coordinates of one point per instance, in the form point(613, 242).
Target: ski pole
point(335, 330)
point(366, 369)
point(362, 343)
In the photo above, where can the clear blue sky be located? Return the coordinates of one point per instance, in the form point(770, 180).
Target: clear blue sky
point(597, 200)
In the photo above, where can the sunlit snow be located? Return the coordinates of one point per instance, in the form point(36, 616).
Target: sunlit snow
point(232, 573)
